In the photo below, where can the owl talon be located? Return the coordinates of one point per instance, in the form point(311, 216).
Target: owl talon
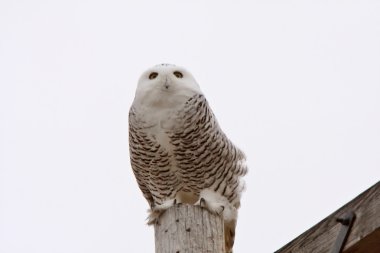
point(158, 209)
point(215, 207)
point(153, 217)
point(202, 202)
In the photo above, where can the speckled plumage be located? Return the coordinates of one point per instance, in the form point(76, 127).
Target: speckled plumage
point(178, 152)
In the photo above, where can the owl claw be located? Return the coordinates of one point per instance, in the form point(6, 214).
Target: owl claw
point(212, 207)
point(153, 217)
point(158, 209)
point(202, 202)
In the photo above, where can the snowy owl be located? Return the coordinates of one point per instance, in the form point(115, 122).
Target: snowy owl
point(178, 152)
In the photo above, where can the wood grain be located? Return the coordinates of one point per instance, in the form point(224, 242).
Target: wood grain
point(189, 229)
point(364, 235)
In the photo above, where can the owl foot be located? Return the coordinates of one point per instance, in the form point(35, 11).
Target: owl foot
point(217, 204)
point(157, 210)
point(153, 217)
point(215, 208)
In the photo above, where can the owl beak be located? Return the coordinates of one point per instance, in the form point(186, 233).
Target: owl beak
point(166, 84)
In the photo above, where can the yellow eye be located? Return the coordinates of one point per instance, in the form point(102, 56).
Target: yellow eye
point(178, 74)
point(153, 75)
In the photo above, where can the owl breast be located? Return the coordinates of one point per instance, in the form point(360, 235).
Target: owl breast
point(192, 152)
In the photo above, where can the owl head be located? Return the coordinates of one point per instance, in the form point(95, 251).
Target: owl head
point(166, 84)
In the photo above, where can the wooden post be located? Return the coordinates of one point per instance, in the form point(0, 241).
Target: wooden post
point(189, 229)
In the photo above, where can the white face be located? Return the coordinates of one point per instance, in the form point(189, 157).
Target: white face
point(165, 85)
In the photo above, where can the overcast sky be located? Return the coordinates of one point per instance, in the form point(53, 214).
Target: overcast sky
point(295, 84)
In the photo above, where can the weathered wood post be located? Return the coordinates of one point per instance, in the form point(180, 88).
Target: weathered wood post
point(189, 229)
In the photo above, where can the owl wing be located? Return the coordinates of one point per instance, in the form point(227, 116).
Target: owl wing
point(208, 159)
point(205, 156)
point(140, 156)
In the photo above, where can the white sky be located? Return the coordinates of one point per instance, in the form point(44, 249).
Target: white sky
point(296, 85)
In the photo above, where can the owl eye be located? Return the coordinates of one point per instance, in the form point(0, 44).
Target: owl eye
point(178, 74)
point(153, 75)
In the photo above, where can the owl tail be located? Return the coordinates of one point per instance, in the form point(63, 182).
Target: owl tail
point(229, 234)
